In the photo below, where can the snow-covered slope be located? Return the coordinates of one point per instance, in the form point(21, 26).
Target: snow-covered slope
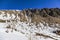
point(12, 28)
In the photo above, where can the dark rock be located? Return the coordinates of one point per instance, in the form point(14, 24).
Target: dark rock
point(57, 32)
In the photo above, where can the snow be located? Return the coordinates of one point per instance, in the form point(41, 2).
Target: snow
point(12, 36)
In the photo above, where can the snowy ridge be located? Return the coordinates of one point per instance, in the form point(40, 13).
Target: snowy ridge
point(14, 29)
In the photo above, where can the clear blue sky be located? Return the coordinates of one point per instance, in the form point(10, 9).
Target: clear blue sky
point(22, 4)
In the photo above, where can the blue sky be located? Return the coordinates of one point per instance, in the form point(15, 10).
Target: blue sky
point(22, 4)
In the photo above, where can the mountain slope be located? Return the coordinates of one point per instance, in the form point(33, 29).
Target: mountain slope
point(30, 24)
